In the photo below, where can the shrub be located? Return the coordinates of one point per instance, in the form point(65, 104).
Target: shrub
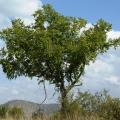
point(3, 111)
point(110, 110)
point(92, 102)
point(100, 104)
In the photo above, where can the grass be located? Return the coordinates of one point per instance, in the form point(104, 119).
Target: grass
point(67, 118)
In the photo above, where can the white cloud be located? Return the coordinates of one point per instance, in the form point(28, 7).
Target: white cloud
point(11, 9)
point(113, 34)
point(2, 89)
point(113, 79)
point(99, 67)
point(104, 73)
point(15, 92)
point(89, 25)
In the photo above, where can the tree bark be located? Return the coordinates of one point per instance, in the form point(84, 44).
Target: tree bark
point(64, 100)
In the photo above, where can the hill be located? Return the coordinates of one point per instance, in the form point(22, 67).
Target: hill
point(30, 107)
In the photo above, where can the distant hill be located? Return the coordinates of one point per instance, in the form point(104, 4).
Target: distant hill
point(31, 107)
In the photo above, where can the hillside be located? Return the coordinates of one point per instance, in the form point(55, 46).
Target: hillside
point(31, 107)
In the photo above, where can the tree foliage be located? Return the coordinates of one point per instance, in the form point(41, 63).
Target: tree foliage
point(55, 48)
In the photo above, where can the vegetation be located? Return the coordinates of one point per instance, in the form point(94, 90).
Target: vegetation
point(3, 111)
point(99, 106)
point(14, 112)
point(55, 48)
point(38, 115)
point(110, 110)
point(86, 106)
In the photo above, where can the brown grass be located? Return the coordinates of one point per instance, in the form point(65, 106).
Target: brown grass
point(68, 117)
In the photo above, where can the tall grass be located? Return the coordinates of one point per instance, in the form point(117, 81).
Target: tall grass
point(75, 117)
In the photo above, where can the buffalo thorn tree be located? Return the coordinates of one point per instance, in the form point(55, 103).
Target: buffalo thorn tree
point(55, 48)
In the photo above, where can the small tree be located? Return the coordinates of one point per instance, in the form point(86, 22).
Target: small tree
point(54, 48)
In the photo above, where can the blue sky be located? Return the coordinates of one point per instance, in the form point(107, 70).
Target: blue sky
point(92, 10)
point(104, 73)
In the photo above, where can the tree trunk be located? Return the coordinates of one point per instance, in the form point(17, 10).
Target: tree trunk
point(64, 99)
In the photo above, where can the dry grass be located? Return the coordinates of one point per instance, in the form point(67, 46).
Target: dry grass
point(74, 117)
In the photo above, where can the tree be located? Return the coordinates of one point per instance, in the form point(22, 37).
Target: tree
point(55, 48)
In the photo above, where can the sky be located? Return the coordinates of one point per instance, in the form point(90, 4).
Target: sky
point(103, 74)
point(91, 10)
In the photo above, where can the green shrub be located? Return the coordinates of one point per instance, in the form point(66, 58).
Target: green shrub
point(110, 110)
point(3, 111)
point(100, 104)
point(92, 102)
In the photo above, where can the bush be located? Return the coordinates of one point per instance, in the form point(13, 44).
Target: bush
point(110, 110)
point(92, 102)
point(99, 104)
point(3, 111)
